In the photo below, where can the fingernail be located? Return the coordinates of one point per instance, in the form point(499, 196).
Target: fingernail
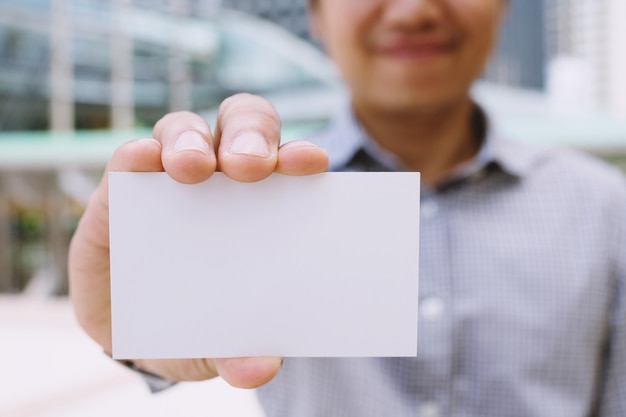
point(190, 140)
point(250, 143)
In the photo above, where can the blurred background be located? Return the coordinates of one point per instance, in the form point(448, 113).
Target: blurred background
point(79, 77)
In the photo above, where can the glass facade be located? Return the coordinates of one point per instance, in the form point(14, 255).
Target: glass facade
point(164, 60)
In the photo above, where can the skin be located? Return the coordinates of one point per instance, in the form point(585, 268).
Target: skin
point(409, 65)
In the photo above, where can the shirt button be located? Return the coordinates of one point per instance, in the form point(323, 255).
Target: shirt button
point(432, 308)
point(429, 209)
point(430, 409)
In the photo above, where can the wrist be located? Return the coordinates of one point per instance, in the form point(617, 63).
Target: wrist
point(156, 383)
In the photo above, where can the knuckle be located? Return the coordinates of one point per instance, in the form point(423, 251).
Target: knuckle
point(165, 119)
point(252, 113)
point(121, 151)
point(237, 100)
point(178, 118)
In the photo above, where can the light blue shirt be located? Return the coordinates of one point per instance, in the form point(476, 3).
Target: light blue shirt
point(522, 294)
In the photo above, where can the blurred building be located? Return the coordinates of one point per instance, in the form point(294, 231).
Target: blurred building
point(67, 64)
point(587, 53)
point(291, 14)
point(89, 64)
point(520, 57)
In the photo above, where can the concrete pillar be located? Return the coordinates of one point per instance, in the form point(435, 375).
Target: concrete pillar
point(179, 74)
point(61, 67)
point(122, 75)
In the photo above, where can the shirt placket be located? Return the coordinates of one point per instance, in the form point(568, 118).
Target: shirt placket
point(435, 308)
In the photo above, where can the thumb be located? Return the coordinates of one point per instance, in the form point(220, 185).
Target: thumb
point(248, 372)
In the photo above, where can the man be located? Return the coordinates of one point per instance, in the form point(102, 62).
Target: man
point(523, 263)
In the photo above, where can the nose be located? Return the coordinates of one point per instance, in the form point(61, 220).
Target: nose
point(412, 14)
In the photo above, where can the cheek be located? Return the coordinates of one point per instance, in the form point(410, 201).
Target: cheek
point(345, 45)
point(479, 20)
point(346, 24)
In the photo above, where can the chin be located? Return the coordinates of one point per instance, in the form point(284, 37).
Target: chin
point(403, 102)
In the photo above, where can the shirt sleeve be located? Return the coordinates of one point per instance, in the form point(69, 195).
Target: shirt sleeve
point(155, 383)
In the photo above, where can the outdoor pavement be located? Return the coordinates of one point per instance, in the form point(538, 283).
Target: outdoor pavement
point(49, 368)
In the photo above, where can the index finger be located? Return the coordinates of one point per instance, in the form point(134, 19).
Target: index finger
point(248, 133)
point(188, 153)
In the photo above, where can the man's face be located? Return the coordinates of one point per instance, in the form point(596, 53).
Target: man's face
point(406, 55)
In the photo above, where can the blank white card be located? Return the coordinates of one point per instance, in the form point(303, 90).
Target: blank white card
point(316, 266)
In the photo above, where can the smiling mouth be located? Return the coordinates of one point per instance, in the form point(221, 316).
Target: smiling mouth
point(406, 49)
point(418, 52)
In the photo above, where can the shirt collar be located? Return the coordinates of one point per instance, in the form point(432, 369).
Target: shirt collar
point(346, 137)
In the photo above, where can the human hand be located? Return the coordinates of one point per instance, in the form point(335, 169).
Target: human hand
point(244, 146)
